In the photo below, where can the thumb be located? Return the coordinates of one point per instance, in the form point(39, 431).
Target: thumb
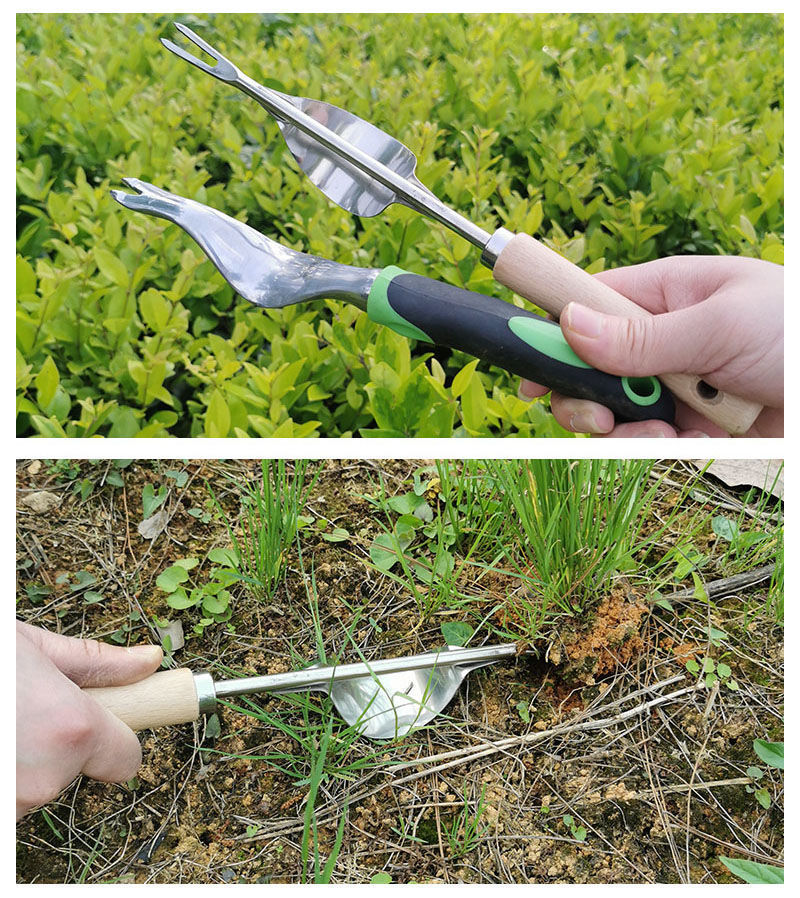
point(668, 343)
point(91, 663)
point(112, 751)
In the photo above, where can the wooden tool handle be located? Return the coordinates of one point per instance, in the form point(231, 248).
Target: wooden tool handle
point(541, 275)
point(164, 698)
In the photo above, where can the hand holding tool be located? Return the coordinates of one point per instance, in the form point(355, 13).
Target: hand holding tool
point(363, 170)
point(384, 699)
point(273, 276)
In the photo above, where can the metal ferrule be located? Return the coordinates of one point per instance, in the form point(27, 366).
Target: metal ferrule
point(495, 245)
point(206, 692)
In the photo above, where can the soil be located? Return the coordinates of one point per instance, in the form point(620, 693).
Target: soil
point(657, 795)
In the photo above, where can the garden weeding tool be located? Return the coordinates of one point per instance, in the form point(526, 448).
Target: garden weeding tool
point(384, 699)
point(273, 276)
point(364, 170)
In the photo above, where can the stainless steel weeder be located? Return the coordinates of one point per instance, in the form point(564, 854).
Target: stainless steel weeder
point(364, 170)
point(268, 274)
point(383, 699)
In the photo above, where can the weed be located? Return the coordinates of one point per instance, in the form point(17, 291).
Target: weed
point(466, 831)
point(270, 520)
point(568, 526)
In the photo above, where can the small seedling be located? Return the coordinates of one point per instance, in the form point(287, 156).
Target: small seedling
point(212, 596)
point(761, 794)
point(466, 830)
point(524, 711)
point(712, 672)
point(578, 831)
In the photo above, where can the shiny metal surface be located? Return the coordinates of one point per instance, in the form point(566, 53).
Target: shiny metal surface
point(260, 270)
point(206, 692)
point(384, 699)
point(358, 166)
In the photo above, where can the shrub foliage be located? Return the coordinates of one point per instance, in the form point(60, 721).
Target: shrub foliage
point(615, 138)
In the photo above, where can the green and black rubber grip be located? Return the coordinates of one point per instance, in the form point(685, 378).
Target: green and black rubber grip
point(518, 341)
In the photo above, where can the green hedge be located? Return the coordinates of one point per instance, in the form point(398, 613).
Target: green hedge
point(615, 138)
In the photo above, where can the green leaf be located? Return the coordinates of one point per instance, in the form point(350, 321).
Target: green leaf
point(383, 552)
point(46, 383)
point(754, 873)
point(337, 535)
point(155, 310)
point(151, 500)
point(716, 636)
point(462, 379)
point(457, 632)
point(111, 267)
point(381, 879)
point(218, 416)
point(26, 277)
point(180, 478)
point(763, 798)
point(725, 528)
point(225, 557)
point(180, 600)
point(187, 563)
point(217, 604)
point(407, 503)
point(771, 753)
point(723, 670)
point(171, 578)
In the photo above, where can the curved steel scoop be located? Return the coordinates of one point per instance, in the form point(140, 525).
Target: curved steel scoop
point(383, 699)
point(260, 270)
point(349, 186)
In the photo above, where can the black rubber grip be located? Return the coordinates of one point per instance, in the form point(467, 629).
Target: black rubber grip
point(479, 325)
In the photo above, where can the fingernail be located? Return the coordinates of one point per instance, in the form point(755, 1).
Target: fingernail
point(582, 320)
point(145, 650)
point(526, 390)
point(585, 422)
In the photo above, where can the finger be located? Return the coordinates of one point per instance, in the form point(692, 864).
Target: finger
point(581, 415)
point(530, 390)
point(91, 663)
point(641, 430)
point(643, 284)
point(660, 344)
point(671, 283)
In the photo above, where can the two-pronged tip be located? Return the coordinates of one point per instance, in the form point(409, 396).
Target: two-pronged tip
point(222, 68)
point(140, 188)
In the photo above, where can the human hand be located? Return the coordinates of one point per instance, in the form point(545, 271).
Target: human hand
point(720, 317)
point(61, 732)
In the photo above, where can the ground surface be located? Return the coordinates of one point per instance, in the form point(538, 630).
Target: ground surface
point(654, 794)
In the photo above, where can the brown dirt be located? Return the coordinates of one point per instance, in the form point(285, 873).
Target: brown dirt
point(229, 805)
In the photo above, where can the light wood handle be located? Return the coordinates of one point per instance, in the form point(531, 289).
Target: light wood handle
point(165, 698)
point(542, 276)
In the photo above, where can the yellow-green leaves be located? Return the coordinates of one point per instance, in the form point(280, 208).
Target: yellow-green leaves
point(46, 383)
point(641, 142)
point(111, 266)
point(218, 418)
